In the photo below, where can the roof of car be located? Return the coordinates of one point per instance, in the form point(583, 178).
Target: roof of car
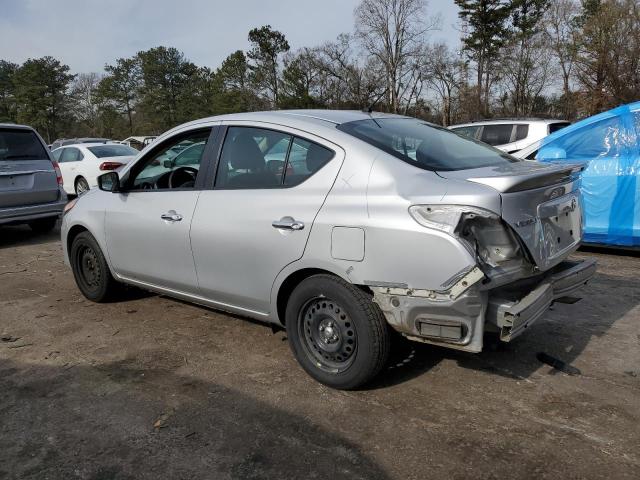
point(15, 125)
point(495, 121)
point(94, 144)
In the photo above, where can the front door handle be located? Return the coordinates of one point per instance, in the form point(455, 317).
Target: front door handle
point(171, 216)
point(287, 223)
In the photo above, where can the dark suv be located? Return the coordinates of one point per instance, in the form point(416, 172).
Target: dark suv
point(30, 181)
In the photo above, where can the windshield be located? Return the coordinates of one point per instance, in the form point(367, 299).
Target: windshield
point(112, 151)
point(424, 145)
point(18, 144)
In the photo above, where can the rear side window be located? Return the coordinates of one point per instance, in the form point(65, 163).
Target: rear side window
point(497, 134)
point(254, 158)
point(521, 132)
point(71, 155)
point(18, 144)
point(471, 131)
point(554, 127)
point(424, 145)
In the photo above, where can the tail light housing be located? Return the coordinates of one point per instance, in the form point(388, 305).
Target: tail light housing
point(56, 167)
point(107, 166)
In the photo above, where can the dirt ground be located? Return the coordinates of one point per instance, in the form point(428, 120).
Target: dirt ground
point(154, 388)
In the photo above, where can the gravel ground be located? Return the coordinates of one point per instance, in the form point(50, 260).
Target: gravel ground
point(155, 388)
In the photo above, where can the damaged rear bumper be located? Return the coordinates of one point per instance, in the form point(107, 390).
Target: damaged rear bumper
point(457, 319)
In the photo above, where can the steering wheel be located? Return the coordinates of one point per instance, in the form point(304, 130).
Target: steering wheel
point(193, 172)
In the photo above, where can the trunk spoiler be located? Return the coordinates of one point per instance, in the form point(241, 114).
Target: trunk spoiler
point(539, 178)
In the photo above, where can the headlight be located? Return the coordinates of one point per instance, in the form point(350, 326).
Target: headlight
point(446, 218)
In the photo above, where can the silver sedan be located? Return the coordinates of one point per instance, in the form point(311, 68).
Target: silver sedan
point(340, 226)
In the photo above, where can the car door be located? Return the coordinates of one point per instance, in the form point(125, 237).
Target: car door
point(147, 224)
point(69, 161)
point(259, 215)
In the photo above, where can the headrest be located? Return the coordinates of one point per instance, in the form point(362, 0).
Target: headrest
point(244, 153)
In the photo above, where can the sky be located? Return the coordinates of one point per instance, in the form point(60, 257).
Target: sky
point(86, 34)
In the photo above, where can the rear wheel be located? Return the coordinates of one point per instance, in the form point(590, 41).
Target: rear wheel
point(339, 336)
point(43, 225)
point(82, 186)
point(91, 271)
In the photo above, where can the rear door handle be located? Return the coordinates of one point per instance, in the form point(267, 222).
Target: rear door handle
point(171, 216)
point(287, 223)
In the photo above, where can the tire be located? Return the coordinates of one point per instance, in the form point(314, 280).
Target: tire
point(81, 186)
point(336, 332)
point(91, 271)
point(43, 225)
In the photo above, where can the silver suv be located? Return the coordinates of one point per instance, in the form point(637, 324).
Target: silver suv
point(340, 227)
point(30, 181)
point(510, 135)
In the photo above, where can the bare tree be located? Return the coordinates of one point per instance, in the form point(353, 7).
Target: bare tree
point(562, 34)
point(393, 33)
point(444, 74)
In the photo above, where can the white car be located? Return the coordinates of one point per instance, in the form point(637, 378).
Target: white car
point(510, 135)
point(81, 164)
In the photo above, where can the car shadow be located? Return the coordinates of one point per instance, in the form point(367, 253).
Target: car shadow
point(561, 335)
point(21, 235)
point(131, 419)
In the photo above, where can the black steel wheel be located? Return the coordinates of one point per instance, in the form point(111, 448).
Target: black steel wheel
point(328, 334)
point(90, 269)
point(336, 331)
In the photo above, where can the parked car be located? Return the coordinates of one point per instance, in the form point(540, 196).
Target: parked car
point(608, 145)
point(389, 223)
point(30, 180)
point(82, 163)
point(138, 142)
point(510, 135)
point(60, 142)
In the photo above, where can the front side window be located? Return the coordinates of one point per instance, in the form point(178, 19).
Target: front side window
point(18, 144)
point(497, 134)
point(259, 158)
point(424, 145)
point(605, 138)
point(104, 151)
point(174, 164)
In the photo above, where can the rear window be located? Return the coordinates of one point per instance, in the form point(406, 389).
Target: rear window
point(497, 134)
point(424, 145)
point(112, 151)
point(554, 127)
point(18, 144)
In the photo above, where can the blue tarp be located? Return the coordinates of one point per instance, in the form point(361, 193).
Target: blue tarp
point(609, 143)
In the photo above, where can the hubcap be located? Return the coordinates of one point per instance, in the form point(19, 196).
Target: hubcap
point(328, 334)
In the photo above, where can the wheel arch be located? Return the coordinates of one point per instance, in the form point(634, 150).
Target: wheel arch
point(293, 279)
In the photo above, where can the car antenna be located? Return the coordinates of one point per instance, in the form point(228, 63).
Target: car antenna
point(369, 110)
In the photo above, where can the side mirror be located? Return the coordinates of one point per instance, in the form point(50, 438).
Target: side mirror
point(109, 182)
point(547, 154)
point(168, 164)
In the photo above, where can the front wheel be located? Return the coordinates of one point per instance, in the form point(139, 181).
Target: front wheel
point(82, 186)
point(336, 332)
point(90, 269)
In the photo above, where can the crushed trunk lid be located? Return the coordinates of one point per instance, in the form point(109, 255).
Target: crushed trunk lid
point(541, 202)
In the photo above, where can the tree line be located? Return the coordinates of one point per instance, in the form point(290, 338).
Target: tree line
point(550, 58)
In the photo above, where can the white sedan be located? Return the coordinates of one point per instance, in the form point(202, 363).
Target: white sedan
point(81, 164)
